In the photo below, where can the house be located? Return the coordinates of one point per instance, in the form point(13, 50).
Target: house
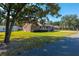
point(28, 27)
point(15, 28)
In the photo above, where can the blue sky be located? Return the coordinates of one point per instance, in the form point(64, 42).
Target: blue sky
point(67, 9)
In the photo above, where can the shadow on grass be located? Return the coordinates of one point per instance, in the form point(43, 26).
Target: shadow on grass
point(44, 31)
point(44, 46)
point(18, 45)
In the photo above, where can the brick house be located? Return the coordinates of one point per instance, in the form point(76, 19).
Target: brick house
point(29, 27)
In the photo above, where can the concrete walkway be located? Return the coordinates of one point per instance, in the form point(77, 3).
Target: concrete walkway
point(75, 35)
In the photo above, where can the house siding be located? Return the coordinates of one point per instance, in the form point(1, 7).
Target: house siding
point(28, 27)
point(15, 28)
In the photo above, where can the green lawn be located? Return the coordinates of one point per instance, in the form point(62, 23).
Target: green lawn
point(22, 41)
point(25, 35)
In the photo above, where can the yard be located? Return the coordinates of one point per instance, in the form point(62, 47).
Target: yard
point(25, 35)
point(22, 41)
point(37, 36)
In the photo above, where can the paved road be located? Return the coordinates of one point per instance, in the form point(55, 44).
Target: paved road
point(67, 47)
point(75, 35)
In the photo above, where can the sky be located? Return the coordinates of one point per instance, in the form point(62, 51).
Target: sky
point(66, 9)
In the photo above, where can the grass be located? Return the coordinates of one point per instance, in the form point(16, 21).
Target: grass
point(23, 41)
point(25, 35)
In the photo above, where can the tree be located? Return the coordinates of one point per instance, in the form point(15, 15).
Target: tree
point(69, 22)
point(31, 12)
point(11, 14)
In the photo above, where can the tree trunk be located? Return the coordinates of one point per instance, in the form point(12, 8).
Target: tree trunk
point(7, 34)
point(9, 25)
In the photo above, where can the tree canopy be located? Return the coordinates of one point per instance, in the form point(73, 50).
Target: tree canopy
point(21, 12)
point(70, 22)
